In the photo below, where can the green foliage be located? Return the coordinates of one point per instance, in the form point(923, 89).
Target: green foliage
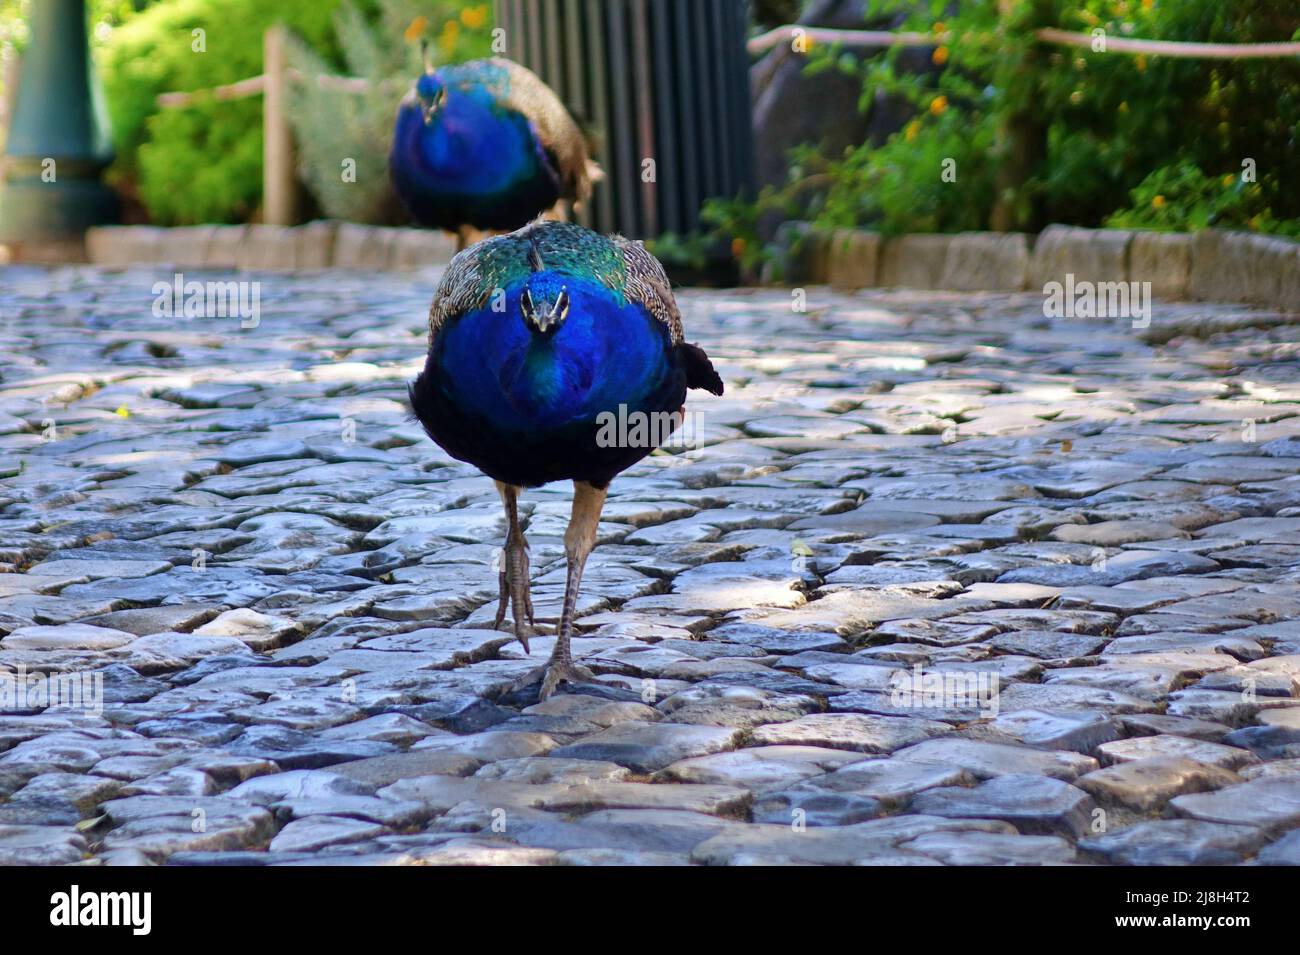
point(201, 162)
point(332, 126)
point(1044, 133)
point(1181, 197)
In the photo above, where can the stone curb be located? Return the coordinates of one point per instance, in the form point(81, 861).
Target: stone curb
point(316, 245)
point(1212, 265)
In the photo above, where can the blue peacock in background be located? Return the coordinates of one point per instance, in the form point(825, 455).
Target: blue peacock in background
point(486, 145)
point(533, 336)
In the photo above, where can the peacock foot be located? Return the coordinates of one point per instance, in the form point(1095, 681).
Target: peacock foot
point(551, 675)
point(513, 592)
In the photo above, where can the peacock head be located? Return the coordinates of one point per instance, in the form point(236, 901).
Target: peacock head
point(545, 303)
point(432, 94)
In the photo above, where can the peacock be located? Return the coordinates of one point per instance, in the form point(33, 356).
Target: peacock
point(538, 340)
point(486, 145)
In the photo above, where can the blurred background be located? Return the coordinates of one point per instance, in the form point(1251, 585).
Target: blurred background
point(748, 129)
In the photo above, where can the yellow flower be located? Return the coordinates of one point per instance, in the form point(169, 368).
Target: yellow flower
point(939, 104)
point(450, 34)
point(940, 55)
point(123, 411)
point(913, 128)
point(416, 29)
point(1148, 4)
point(1158, 202)
point(940, 29)
point(474, 17)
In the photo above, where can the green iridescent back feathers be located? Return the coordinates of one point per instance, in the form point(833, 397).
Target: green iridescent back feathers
point(622, 265)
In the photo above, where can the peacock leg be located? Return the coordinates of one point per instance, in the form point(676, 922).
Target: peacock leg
point(513, 578)
point(560, 212)
point(464, 238)
point(579, 540)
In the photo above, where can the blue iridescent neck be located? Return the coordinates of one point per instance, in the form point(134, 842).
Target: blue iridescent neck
point(470, 143)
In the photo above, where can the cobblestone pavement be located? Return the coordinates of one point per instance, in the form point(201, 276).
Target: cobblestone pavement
point(949, 582)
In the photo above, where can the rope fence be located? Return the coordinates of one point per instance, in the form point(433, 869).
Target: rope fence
point(884, 38)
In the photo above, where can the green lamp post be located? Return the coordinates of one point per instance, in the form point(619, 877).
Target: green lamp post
point(59, 140)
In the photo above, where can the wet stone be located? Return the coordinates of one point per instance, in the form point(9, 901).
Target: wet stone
point(1079, 730)
point(1269, 803)
point(1033, 804)
point(1174, 842)
point(874, 841)
point(850, 731)
point(992, 848)
point(1146, 785)
point(986, 760)
point(40, 845)
point(814, 807)
point(1201, 751)
point(757, 768)
point(646, 747)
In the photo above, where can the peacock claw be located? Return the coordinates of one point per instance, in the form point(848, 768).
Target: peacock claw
point(513, 591)
point(551, 675)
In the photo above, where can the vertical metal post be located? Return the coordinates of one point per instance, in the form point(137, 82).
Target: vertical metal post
point(58, 140)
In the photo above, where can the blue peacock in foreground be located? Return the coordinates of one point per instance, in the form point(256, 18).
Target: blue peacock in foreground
point(532, 336)
point(486, 145)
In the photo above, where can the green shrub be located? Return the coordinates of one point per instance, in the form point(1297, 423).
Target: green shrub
point(1042, 133)
point(201, 162)
point(1181, 197)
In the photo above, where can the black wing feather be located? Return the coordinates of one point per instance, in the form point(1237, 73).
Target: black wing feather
point(699, 370)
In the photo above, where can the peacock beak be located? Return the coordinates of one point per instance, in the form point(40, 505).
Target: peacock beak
point(548, 323)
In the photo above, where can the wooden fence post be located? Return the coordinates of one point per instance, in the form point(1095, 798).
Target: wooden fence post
point(9, 80)
point(279, 187)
